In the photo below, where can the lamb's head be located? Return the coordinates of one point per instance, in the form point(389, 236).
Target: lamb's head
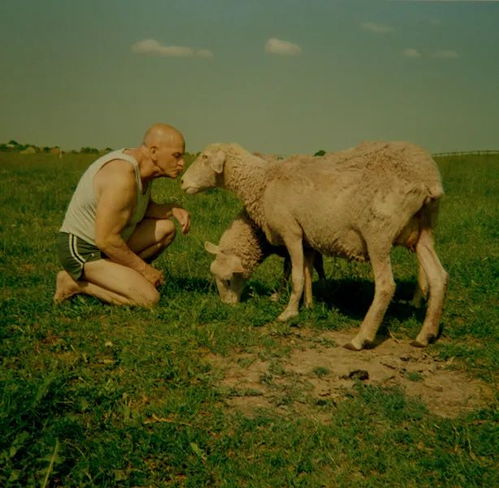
point(205, 170)
point(228, 272)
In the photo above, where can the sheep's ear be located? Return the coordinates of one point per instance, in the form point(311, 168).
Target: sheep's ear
point(211, 248)
point(217, 162)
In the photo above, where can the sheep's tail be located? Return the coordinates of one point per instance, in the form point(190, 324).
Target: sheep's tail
point(429, 210)
point(428, 215)
point(424, 220)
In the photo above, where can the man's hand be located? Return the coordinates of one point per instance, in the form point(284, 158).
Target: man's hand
point(183, 217)
point(154, 276)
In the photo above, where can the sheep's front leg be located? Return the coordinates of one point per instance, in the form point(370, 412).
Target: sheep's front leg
point(383, 293)
point(295, 250)
point(283, 282)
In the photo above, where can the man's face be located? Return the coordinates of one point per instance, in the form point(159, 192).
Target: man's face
point(169, 158)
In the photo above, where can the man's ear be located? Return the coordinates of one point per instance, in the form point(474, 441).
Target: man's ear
point(217, 162)
point(211, 248)
point(153, 151)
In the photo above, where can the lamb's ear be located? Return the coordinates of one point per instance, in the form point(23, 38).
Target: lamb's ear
point(211, 248)
point(217, 162)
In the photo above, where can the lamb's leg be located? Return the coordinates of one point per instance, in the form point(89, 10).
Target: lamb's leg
point(295, 250)
point(319, 265)
point(383, 293)
point(421, 292)
point(308, 299)
point(437, 280)
point(286, 270)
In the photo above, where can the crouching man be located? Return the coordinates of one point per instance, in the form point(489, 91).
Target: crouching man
point(113, 230)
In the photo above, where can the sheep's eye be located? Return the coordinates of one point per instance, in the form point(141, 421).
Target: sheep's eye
point(204, 156)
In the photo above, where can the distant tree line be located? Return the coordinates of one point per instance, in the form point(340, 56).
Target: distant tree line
point(14, 146)
point(465, 153)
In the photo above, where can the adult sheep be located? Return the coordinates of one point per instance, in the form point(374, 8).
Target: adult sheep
point(356, 203)
point(242, 247)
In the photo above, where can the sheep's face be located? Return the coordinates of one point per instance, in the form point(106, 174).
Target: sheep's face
point(228, 273)
point(205, 170)
point(229, 289)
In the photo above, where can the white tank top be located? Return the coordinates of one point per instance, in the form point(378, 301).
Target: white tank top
point(80, 215)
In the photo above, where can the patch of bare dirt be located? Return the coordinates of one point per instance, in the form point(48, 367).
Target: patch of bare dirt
point(319, 370)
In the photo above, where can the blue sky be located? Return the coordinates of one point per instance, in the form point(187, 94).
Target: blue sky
point(279, 76)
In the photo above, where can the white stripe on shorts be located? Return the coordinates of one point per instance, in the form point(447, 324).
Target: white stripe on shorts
point(73, 249)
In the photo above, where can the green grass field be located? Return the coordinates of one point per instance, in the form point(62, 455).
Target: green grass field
point(99, 396)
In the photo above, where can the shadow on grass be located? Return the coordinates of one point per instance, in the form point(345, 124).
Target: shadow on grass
point(352, 297)
point(182, 283)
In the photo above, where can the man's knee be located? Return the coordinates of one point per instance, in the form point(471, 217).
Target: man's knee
point(148, 297)
point(165, 231)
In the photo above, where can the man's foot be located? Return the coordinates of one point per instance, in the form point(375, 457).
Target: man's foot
point(65, 287)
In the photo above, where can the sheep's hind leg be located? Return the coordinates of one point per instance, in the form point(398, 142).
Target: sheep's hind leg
point(383, 293)
point(437, 280)
point(421, 292)
point(295, 250)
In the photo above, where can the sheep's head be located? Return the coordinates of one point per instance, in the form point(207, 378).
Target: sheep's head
point(228, 273)
point(202, 173)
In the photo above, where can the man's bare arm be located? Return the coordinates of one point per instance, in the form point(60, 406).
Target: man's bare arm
point(116, 197)
point(168, 210)
point(159, 210)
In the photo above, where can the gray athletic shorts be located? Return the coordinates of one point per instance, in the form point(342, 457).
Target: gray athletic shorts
point(75, 252)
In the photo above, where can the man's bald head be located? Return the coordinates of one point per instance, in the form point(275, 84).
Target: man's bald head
point(162, 152)
point(160, 134)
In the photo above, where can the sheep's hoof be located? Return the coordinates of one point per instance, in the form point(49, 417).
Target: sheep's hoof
point(357, 344)
point(286, 316)
point(423, 341)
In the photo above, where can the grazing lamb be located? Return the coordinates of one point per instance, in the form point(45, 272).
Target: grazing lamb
point(241, 249)
point(356, 203)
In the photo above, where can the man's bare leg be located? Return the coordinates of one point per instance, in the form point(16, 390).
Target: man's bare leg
point(66, 287)
point(118, 284)
point(151, 237)
point(110, 282)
